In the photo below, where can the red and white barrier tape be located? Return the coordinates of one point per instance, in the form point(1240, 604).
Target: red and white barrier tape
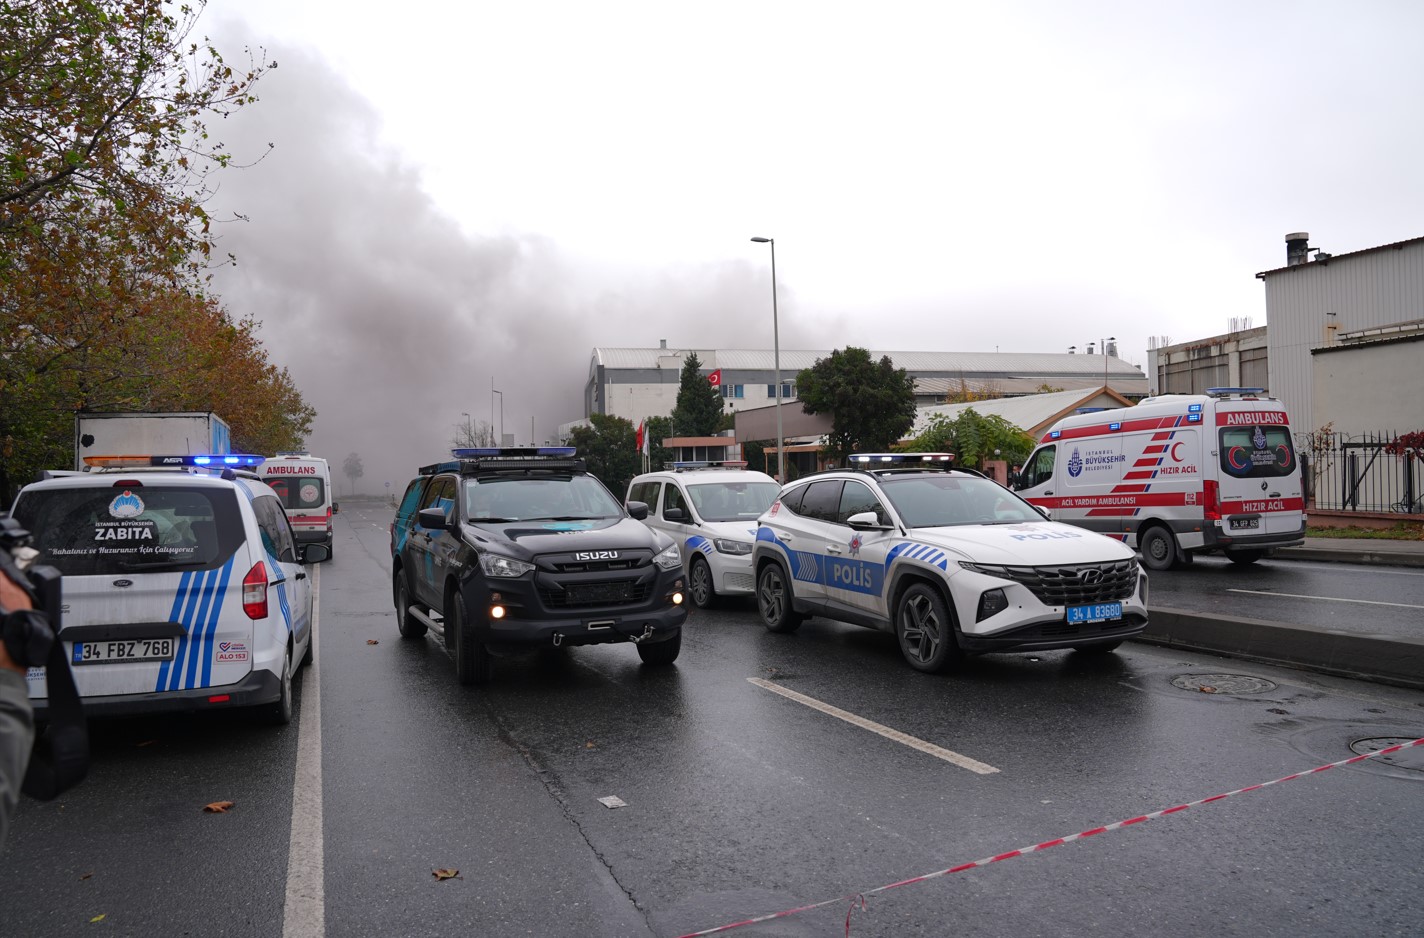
point(859, 898)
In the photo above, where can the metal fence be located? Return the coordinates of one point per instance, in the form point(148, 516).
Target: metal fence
point(1361, 475)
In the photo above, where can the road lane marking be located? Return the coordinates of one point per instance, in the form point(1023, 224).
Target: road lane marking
point(305, 912)
point(964, 762)
point(1326, 599)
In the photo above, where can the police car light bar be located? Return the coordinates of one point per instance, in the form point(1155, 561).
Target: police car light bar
point(518, 452)
point(900, 458)
point(215, 460)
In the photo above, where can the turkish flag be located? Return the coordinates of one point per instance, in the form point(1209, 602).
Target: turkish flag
point(640, 437)
point(715, 378)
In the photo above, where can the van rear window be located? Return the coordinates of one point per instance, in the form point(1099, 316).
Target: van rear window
point(148, 529)
point(299, 492)
point(1257, 452)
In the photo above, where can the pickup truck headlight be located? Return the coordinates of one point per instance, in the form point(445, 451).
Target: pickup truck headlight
point(669, 559)
point(495, 565)
point(729, 546)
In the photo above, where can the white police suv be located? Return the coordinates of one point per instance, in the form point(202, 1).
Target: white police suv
point(949, 561)
point(183, 585)
point(710, 509)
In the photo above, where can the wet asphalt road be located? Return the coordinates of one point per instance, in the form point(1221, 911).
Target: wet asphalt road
point(741, 802)
point(1368, 599)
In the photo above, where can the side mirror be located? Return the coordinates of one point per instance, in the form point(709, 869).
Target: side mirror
point(313, 553)
point(1045, 511)
point(866, 520)
point(638, 511)
point(433, 518)
point(676, 514)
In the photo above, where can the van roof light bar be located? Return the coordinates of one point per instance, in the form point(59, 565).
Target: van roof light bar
point(202, 460)
point(1234, 392)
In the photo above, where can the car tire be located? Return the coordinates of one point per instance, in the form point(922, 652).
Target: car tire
point(309, 656)
point(330, 549)
point(775, 601)
point(660, 653)
point(1100, 649)
point(472, 659)
point(925, 629)
point(280, 713)
point(409, 625)
point(1244, 557)
point(699, 583)
point(1158, 548)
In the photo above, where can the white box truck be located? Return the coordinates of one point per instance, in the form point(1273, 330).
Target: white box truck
point(1175, 476)
point(168, 434)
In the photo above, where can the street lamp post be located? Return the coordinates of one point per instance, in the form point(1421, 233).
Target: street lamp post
point(493, 392)
point(776, 362)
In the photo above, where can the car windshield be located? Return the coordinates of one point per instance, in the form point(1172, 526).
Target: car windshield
point(99, 531)
point(543, 497)
point(732, 501)
point(932, 501)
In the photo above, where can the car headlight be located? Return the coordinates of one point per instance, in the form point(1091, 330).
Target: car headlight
point(495, 565)
point(669, 559)
point(729, 546)
point(988, 569)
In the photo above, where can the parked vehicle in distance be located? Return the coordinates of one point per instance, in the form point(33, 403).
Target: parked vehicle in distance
point(184, 586)
point(517, 549)
point(303, 483)
point(1176, 475)
point(711, 510)
point(949, 561)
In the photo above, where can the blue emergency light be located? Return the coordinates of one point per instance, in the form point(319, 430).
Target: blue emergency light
point(900, 458)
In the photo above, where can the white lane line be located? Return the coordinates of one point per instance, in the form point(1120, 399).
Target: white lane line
point(1326, 599)
point(964, 762)
point(305, 912)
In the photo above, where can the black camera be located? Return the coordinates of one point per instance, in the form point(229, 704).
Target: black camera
point(61, 755)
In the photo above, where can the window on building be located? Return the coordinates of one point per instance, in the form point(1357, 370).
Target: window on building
point(788, 390)
point(733, 390)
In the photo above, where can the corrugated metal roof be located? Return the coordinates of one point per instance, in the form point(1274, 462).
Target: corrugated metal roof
point(1010, 364)
point(1023, 412)
point(1017, 387)
point(1395, 245)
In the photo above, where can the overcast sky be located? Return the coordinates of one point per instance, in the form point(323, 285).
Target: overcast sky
point(471, 194)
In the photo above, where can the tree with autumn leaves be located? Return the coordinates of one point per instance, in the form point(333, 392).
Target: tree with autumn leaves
point(105, 241)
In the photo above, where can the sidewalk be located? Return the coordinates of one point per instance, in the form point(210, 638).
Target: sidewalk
point(1397, 660)
point(1357, 550)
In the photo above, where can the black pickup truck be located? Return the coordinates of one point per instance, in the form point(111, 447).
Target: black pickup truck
point(515, 549)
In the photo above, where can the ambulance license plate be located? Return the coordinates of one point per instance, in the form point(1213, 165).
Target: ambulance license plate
point(1098, 612)
point(1245, 524)
point(139, 649)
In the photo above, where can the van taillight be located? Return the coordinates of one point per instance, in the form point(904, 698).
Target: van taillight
point(254, 591)
point(1210, 504)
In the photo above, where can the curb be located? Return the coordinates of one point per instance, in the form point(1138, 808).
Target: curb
point(1386, 558)
point(1396, 661)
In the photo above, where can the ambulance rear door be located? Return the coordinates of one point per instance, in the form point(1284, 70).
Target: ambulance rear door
point(1258, 478)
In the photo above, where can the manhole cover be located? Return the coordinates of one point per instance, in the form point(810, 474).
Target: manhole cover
point(1223, 683)
point(1411, 758)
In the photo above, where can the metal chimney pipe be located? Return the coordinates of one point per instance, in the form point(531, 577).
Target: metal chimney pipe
point(1297, 248)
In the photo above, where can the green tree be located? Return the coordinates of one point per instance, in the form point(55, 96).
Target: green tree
point(699, 403)
point(353, 469)
point(658, 429)
point(871, 404)
point(972, 438)
point(610, 448)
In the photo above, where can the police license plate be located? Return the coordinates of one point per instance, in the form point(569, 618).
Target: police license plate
point(139, 649)
point(1245, 524)
point(1098, 612)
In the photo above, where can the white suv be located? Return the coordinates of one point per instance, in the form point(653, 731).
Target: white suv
point(184, 588)
point(711, 510)
point(947, 560)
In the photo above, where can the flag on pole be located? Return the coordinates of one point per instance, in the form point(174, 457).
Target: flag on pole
point(715, 378)
point(641, 433)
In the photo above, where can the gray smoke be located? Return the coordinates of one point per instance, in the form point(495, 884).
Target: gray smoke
point(393, 320)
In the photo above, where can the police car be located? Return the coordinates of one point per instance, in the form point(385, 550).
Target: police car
point(711, 510)
point(947, 560)
point(184, 587)
point(520, 548)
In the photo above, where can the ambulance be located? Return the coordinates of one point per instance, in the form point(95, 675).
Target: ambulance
point(1175, 476)
point(303, 483)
